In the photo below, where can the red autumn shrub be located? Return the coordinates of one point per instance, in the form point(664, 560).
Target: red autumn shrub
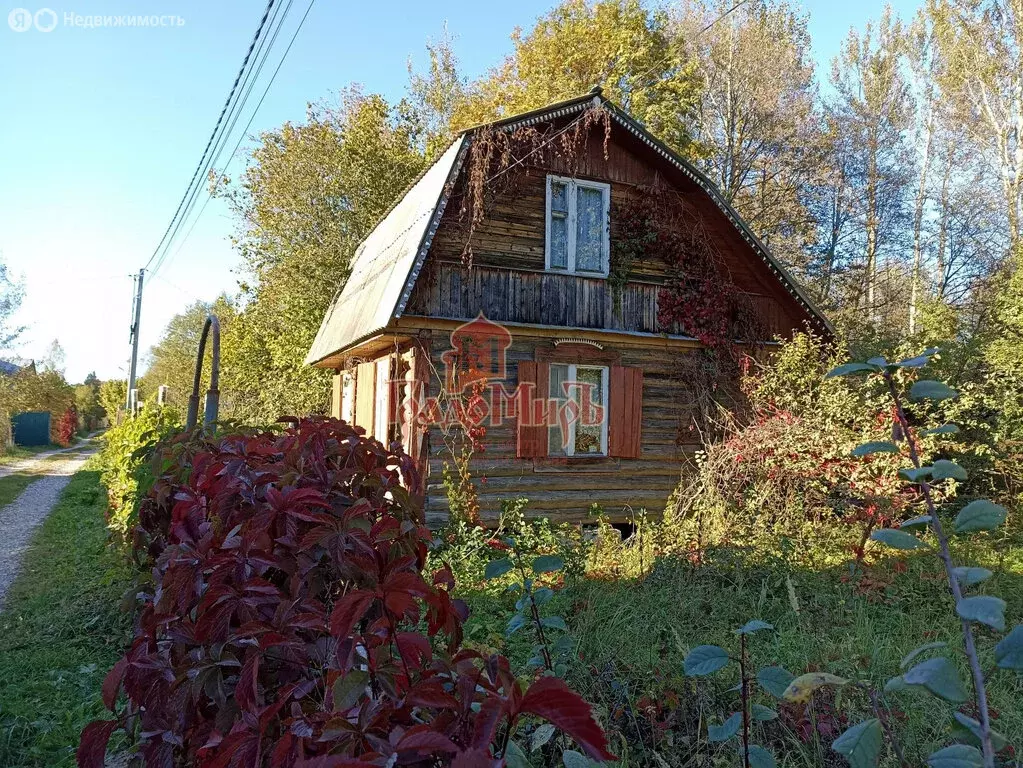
point(782, 472)
point(291, 622)
point(67, 426)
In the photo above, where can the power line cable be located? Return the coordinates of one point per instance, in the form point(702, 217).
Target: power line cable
point(236, 109)
point(216, 128)
point(257, 70)
point(245, 131)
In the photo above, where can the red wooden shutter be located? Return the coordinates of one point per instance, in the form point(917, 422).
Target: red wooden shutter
point(626, 412)
point(534, 379)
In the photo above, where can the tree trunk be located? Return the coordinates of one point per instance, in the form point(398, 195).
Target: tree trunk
point(918, 222)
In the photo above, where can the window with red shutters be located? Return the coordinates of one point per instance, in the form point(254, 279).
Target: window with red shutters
point(624, 411)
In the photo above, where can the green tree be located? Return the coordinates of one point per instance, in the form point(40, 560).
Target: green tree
point(1004, 350)
point(434, 96)
point(40, 388)
point(87, 402)
point(871, 112)
point(112, 394)
point(617, 44)
point(310, 195)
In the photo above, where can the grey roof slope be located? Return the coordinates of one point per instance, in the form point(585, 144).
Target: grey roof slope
point(388, 262)
point(385, 259)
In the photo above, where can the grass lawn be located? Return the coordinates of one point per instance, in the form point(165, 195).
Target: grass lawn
point(61, 630)
point(632, 636)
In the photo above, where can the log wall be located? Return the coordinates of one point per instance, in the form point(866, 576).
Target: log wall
point(564, 489)
point(508, 281)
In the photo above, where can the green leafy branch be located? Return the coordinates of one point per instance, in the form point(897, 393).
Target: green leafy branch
point(530, 602)
point(861, 744)
point(705, 660)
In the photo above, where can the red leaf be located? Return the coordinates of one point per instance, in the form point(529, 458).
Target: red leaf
point(112, 683)
point(400, 591)
point(414, 648)
point(423, 739)
point(431, 694)
point(475, 758)
point(444, 576)
point(92, 749)
point(487, 719)
point(348, 611)
point(555, 702)
point(245, 692)
point(334, 761)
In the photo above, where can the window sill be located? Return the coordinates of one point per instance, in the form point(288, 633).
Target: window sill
point(577, 273)
point(576, 464)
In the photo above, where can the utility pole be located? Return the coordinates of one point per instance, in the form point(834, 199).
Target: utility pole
point(136, 317)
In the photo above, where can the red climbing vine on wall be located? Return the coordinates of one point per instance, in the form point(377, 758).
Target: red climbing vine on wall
point(698, 299)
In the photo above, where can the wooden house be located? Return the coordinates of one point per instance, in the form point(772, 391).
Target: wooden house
point(566, 346)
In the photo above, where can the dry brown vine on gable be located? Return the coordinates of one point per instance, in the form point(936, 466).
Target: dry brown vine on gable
point(496, 150)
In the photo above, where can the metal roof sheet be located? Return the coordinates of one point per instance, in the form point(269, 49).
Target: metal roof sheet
point(383, 262)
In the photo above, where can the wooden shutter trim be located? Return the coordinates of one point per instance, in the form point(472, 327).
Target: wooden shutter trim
point(534, 380)
point(626, 412)
point(365, 395)
point(336, 393)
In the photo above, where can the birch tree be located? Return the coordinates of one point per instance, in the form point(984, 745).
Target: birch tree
point(756, 116)
point(872, 111)
point(981, 42)
point(922, 64)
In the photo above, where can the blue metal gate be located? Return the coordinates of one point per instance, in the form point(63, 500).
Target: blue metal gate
point(31, 428)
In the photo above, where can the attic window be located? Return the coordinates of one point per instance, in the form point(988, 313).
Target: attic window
point(578, 239)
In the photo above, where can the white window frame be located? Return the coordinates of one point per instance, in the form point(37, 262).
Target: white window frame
point(573, 376)
point(571, 186)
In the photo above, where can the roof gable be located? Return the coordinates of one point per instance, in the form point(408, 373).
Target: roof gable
point(388, 262)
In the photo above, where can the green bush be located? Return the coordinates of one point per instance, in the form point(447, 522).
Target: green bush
point(467, 548)
point(790, 473)
point(125, 461)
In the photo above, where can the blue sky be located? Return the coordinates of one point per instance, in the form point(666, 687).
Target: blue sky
point(101, 128)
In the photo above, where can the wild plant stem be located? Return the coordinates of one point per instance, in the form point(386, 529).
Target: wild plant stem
point(534, 612)
point(744, 693)
point(946, 557)
point(541, 635)
point(882, 717)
